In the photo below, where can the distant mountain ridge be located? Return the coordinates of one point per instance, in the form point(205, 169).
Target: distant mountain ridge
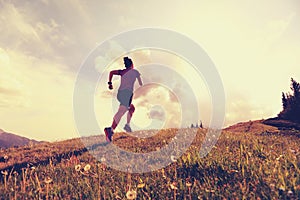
point(10, 140)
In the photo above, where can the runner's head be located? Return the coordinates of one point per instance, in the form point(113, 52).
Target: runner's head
point(128, 62)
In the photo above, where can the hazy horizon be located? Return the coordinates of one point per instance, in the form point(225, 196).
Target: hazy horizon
point(255, 47)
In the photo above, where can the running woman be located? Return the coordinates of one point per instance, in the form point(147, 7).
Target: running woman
point(125, 93)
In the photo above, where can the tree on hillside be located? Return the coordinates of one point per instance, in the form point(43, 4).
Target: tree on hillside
point(197, 125)
point(291, 103)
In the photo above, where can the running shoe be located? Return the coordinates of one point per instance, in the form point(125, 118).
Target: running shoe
point(127, 128)
point(109, 133)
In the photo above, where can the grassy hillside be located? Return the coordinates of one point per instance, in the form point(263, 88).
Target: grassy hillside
point(250, 161)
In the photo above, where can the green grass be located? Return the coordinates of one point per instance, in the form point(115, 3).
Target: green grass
point(252, 165)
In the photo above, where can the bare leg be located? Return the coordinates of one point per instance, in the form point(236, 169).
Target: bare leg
point(130, 113)
point(122, 110)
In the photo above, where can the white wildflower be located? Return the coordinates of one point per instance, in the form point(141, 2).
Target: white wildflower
point(87, 167)
point(77, 168)
point(173, 158)
point(131, 194)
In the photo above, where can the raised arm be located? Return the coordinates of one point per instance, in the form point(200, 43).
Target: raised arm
point(111, 73)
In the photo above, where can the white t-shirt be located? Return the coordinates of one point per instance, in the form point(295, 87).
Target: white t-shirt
point(128, 77)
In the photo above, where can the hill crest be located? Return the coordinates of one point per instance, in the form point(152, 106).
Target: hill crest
point(256, 126)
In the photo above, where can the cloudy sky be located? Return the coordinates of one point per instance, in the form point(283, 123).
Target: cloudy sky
point(255, 46)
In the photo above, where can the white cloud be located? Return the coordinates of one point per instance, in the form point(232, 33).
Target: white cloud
point(15, 24)
point(159, 104)
point(240, 107)
point(267, 36)
point(28, 29)
point(11, 88)
point(36, 97)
